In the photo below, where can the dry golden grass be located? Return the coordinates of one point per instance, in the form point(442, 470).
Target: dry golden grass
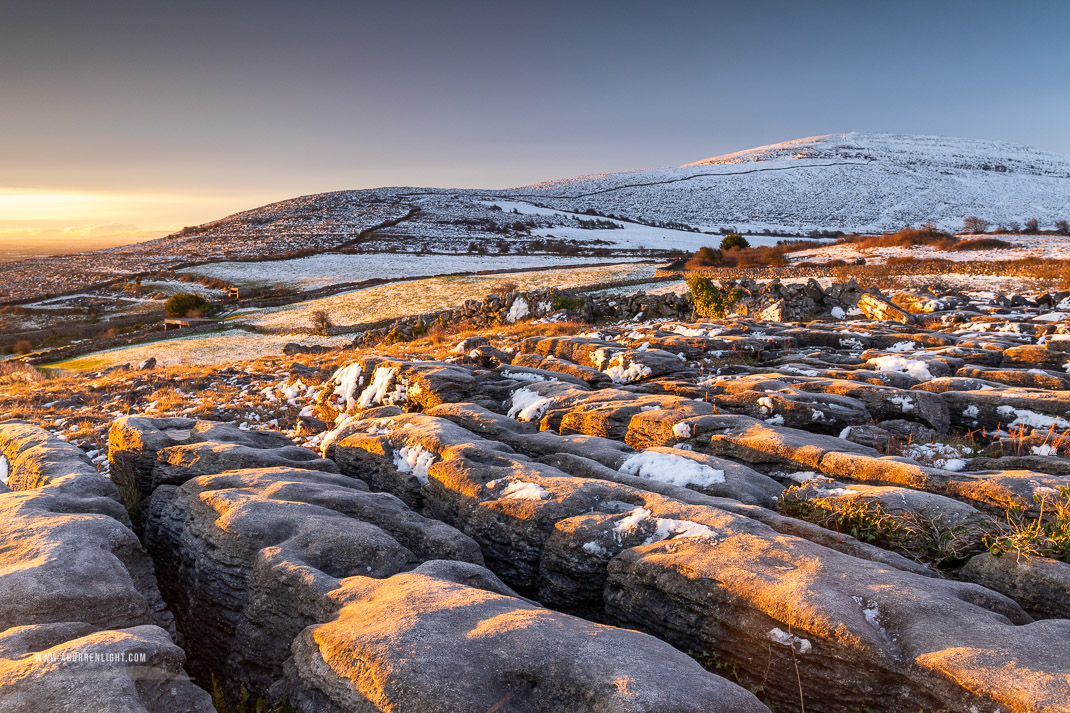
point(763, 256)
point(980, 244)
point(905, 238)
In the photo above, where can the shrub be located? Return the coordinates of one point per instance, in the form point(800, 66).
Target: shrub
point(733, 241)
point(186, 304)
point(17, 372)
point(1032, 226)
point(973, 224)
point(1062, 227)
point(980, 244)
point(569, 302)
point(23, 347)
point(923, 539)
point(708, 254)
point(321, 321)
point(1047, 535)
point(927, 234)
point(764, 256)
point(708, 299)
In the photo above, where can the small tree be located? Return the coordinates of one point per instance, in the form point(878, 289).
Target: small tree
point(708, 255)
point(708, 299)
point(23, 347)
point(321, 321)
point(1062, 227)
point(973, 224)
point(733, 241)
point(1032, 226)
point(186, 304)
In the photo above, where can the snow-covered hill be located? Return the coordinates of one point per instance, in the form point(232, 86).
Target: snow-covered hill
point(846, 182)
point(851, 182)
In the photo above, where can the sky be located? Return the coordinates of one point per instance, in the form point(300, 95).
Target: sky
point(122, 121)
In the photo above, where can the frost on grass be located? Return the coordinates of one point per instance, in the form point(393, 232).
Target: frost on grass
point(528, 405)
point(414, 459)
point(911, 367)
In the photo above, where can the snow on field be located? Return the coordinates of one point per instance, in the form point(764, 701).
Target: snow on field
point(523, 208)
point(222, 347)
point(334, 268)
point(66, 301)
point(633, 236)
point(422, 296)
point(627, 235)
point(170, 287)
point(1042, 246)
point(677, 287)
point(978, 286)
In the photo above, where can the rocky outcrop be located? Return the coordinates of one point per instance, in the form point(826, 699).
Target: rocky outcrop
point(149, 452)
point(232, 548)
point(470, 646)
point(303, 584)
point(1040, 584)
point(81, 618)
point(493, 530)
point(627, 555)
point(878, 307)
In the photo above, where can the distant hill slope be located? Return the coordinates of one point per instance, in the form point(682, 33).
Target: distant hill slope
point(848, 182)
point(851, 182)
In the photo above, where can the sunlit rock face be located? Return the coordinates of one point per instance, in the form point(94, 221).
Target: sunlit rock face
point(304, 584)
point(81, 618)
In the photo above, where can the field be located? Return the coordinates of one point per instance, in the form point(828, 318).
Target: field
point(222, 347)
point(348, 308)
point(335, 268)
point(422, 296)
point(1021, 246)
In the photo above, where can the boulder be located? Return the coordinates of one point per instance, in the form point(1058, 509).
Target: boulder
point(147, 452)
point(876, 307)
point(81, 618)
point(1040, 584)
point(425, 642)
point(247, 555)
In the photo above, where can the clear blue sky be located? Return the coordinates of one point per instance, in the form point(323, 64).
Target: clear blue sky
point(143, 115)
